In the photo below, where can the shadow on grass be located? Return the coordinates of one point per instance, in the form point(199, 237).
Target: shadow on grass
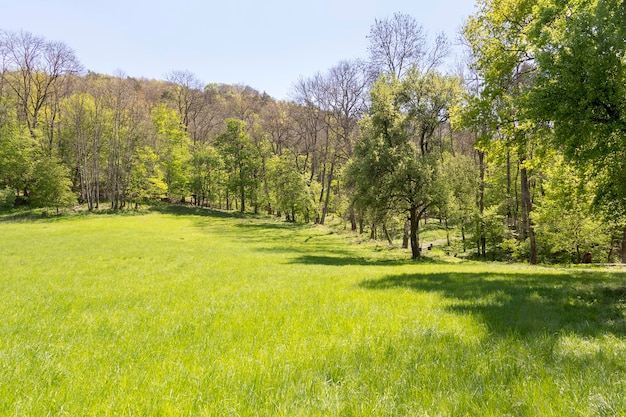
point(588, 304)
point(342, 258)
point(189, 210)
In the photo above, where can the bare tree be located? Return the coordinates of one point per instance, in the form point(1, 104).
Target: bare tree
point(399, 43)
point(35, 70)
point(186, 91)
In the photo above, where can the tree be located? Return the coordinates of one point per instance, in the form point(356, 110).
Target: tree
point(399, 43)
point(84, 125)
point(580, 89)
point(146, 179)
point(173, 148)
point(34, 69)
point(289, 187)
point(51, 186)
point(17, 155)
point(241, 161)
point(503, 60)
point(565, 222)
point(396, 166)
point(206, 173)
point(186, 92)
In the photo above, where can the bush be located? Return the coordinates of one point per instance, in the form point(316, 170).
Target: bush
point(7, 197)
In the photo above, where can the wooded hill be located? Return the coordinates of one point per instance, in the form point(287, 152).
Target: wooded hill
point(523, 152)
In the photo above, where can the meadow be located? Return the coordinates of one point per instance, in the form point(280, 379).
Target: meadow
point(184, 312)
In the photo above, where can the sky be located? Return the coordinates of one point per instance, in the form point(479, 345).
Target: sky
point(267, 45)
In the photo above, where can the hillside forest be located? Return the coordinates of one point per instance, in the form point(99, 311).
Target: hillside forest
point(520, 151)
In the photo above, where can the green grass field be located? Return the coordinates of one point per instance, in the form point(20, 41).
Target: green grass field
point(184, 312)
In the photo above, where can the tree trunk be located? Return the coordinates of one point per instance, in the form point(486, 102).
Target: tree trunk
point(509, 209)
point(481, 206)
point(242, 196)
point(414, 218)
point(387, 235)
point(353, 219)
point(527, 225)
point(624, 247)
point(327, 200)
point(463, 235)
point(406, 234)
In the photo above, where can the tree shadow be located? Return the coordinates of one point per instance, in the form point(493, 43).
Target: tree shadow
point(344, 258)
point(190, 210)
point(588, 304)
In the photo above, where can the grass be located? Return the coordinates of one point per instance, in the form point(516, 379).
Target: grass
point(188, 312)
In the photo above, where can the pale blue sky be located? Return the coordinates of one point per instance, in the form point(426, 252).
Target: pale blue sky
point(267, 44)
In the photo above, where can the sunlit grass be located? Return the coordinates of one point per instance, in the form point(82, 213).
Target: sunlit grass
point(184, 312)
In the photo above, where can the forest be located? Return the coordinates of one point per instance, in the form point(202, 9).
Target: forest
point(521, 150)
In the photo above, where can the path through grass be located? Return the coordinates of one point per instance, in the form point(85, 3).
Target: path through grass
point(191, 313)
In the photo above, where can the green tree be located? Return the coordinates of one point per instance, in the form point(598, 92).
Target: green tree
point(396, 167)
point(146, 179)
point(580, 89)
point(206, 173)
point(503, 61)
point(83, 125)
point(173, 146)
point(242, 161)
point(51, 186)
point(565, 222)
point(289, 188)
point(16, 156)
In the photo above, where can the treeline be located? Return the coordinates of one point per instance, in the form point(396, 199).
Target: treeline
point(522, 152)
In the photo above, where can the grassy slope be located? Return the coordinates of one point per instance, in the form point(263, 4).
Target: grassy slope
point(188, 314)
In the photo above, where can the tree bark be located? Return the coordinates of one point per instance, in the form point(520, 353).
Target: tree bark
point(327, 200)
point(527, 226)
point(624, 247)
point(482, 248)
point(414, 218)
point(387, 235)
point(353, 219)
point(405, 235)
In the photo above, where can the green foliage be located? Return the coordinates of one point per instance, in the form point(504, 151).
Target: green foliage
point(564, 220)
point(206, 173)
point(7, 197)
point(51, 186)
point(458, 188)
point(16, 156)
point(396, 166)
point(290, 190)
point(146, 180)
point(242, 161)
point(174, 149)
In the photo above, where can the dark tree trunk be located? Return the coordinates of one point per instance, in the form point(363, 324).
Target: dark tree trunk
point(527, 225)
point(414, 233)
point(353, 219)
point(482, 240)
point(406, 234)
point(623, 251)
point(509, 209)
point(387, 235)
point(327, 200)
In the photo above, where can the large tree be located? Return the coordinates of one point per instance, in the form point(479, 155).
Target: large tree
point(580, 89)
point(399, 42)
point(242, 162)
point(396, 166)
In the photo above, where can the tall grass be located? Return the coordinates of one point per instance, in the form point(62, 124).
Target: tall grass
point(187, 312)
